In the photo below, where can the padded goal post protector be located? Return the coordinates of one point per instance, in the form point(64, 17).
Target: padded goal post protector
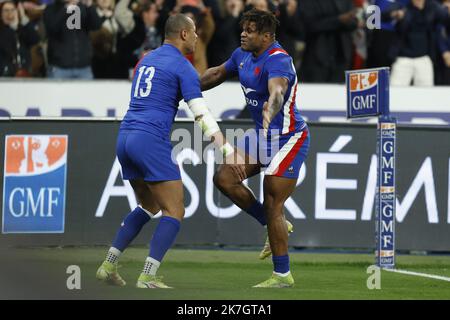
point(368, 96)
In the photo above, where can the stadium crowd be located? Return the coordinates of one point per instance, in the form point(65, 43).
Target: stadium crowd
point(45, 38)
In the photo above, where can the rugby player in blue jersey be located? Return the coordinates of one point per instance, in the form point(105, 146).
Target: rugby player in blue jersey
point(269, 82)
point(144, 150)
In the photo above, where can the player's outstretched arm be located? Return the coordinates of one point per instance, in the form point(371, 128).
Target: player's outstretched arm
point(213, 77)
point(277, 89)
point(210, 128)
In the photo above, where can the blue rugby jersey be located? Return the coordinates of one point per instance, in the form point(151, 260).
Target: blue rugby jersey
point(254, 74)
point(161, 79)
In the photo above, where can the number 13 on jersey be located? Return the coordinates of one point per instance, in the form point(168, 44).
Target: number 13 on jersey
point(149, 72)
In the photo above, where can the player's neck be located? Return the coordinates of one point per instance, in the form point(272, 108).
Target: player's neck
point(176, 44)
point(263, 49)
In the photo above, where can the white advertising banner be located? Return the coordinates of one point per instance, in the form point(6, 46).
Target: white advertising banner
point(110, 99)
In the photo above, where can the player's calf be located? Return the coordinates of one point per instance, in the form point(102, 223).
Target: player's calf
point(266, 250)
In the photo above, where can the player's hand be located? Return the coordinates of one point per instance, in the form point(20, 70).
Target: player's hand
point(237, 165)
point(266, 118)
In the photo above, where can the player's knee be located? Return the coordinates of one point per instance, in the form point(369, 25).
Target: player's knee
point(140, 194)
point(174, 212)
point(272, 207)
point(150, 207)
point(180, 214)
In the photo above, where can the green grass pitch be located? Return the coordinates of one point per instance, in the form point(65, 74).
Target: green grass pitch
point(220, 275)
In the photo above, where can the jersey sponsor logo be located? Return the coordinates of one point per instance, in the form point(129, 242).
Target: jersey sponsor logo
point(251, 102)
point(247, 90)
point(34, 183)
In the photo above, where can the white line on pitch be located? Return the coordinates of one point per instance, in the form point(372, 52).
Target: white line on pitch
point(425, 275)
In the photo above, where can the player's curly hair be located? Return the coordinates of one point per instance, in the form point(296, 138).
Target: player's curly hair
point(265, 21)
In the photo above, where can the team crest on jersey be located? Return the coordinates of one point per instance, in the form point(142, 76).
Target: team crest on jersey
point(241, 65)
point(34, 183)
point(257, 71)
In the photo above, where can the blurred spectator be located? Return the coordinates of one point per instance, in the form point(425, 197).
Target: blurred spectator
point(104, 41)
point(118, 44)
point(415, 44)
point(227, 37)
point(290, 32)
point(17, 36)
point(264, 5)
point(380, 40)
point(69, 50)
point(164, 11)
point(328, 26)
point(359, 36)
point(205, 25)
point(114, 35)
point(168, 7)
point(34, 9)
point(442, 68)
point(153, 38)
point(131, 36)
point(175, 6)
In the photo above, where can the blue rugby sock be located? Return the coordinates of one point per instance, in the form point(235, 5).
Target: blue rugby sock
point(163, 238)
point(131, 226)
point(280, 264)
point(256, 210)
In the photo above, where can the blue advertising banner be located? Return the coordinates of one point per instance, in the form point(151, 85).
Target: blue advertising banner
point(34, 183)
point(368, 92)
